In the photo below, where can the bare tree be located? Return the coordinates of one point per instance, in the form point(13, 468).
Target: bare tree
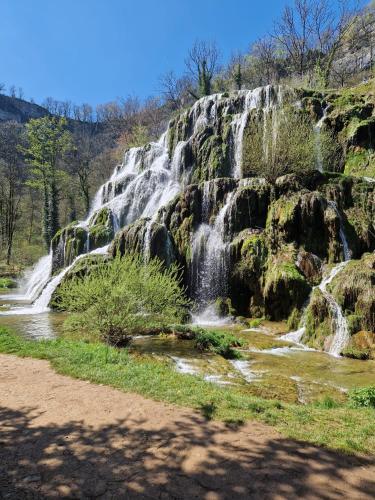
point(332, 27)
point(293, 33)
point(12, 91)
point(265, 58)
point(12, 136)
point(174, 90)
point(2, 87)
point(202, 63)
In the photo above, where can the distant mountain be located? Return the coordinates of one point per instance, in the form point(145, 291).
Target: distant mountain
point(12, 108)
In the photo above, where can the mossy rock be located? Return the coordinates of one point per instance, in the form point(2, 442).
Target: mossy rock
point(361, 346)
point(354, 290)
point(285, 288)
point(101, 230)
point(67, 244)
point(318, 322)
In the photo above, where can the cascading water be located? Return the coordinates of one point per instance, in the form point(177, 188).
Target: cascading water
point(34, 281)
point(339, 323)
point(318, 141)
point(41, 303)
point(210, 263)
point(148, 179)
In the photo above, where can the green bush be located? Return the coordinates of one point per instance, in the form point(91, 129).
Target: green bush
point(124, 296)
point(363, 397)
point(7, 283)
point(218, 342)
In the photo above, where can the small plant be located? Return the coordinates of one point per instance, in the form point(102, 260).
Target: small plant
point(354, 353)
point(7, 283)
point(218, 342)
point(363, 397)
point(328, 403)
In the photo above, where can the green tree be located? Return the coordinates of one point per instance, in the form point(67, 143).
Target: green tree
point(48, 141)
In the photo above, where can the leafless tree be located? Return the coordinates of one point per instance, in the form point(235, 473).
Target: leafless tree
point(12, 136)
point(202, 64)
point(333, 25)
point(293, 33)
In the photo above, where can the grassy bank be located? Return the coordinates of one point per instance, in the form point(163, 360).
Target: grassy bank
point(343, 428)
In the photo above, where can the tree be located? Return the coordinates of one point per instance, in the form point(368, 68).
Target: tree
point(86, 145)
point(266, 61)
point(175, 90)
point(48, 141)
point(293, 33)
point(12, 173)
point(202, 63)
point(332, 27)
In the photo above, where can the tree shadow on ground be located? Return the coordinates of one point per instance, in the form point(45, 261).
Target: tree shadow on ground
point(192, 458)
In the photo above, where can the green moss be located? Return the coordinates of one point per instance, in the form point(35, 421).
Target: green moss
point(355, 353)
point(318, 324)
point(360, 162)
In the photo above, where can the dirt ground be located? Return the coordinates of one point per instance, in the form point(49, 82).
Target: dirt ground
point(68, 438)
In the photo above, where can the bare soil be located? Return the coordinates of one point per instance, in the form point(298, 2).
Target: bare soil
point(61, 437)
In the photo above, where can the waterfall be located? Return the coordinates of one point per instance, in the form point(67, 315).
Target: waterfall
point(318, 141)
point(34, 281)
point(261, 98)
point(210, 263)
point(149, 179)
point(339, 323)
point(41, 303)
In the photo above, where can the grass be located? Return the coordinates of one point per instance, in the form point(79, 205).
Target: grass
point(351, 430)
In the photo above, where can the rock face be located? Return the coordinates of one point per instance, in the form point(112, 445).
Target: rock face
point(257, 248)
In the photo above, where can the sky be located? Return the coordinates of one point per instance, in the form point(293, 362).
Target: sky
point(97, 50)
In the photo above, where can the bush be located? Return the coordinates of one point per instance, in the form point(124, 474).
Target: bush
point(218, 342)
point(124, 296)
point(7, 283)
point(363, 397)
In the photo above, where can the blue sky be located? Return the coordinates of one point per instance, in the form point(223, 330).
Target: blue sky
point(96, 50)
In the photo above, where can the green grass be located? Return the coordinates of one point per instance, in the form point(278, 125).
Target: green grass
point(344, 428)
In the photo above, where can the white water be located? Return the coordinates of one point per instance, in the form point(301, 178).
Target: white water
point(261, 98)
point(339, 323)
point(34, 281)
point(209, 317)
point(210, 264)
point(243, 367)
point(318, 141)
point(42, 302)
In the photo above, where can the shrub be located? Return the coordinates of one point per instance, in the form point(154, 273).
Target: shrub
point(123, 296)
point(7, 283)
point(355, 353)
point(363, 397)
point(218, 342)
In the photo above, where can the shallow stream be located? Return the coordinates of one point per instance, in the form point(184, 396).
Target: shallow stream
point(269, 367)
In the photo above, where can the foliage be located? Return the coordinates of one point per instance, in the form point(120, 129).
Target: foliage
point(124, 296)
point(48, 141)
point(7, 283)
point(218, 342)
point(279, 143)
point(363, 397)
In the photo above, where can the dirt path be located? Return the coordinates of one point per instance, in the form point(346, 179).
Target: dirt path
point(67, 438)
